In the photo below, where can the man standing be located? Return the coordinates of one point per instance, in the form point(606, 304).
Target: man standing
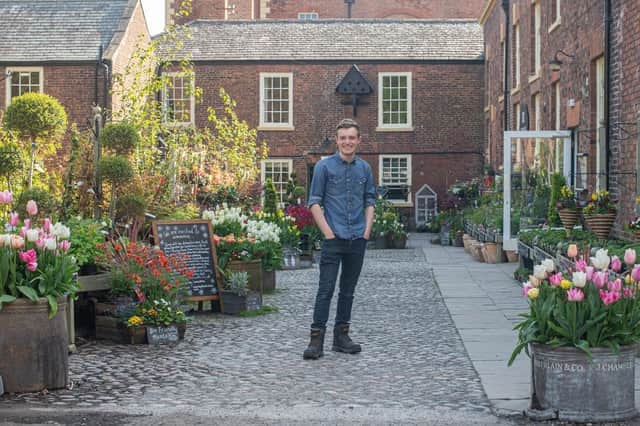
point(342, 185)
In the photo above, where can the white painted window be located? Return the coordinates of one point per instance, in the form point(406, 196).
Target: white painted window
point(394, 100)
point(395, 174)
point(517, 55)
point(556, 16)
point(23, 80)
point(307, 16)
point(276, 100)
point(536, 37)
point(426, 205)
point(178, 98)
point(279, 172)
point(601, 134)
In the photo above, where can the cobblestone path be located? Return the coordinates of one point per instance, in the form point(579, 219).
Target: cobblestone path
point(413, 361)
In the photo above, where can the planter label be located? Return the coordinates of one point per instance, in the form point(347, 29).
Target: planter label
point(162, 335)
point(574, 367)
point(195, 239)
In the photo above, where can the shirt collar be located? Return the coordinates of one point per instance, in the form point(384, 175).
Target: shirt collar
point(338, 158)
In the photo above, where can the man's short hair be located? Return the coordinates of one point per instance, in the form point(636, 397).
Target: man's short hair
point(347, 123)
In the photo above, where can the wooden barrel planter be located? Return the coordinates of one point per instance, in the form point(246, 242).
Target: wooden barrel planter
point(253, 268)
point(579, 390)
point(569, 218)
point(34, 349)
point(600, 224)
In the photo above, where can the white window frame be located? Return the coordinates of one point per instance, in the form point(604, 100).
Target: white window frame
point(308, 16)
point(192, 98)
point(537, 18)
point(8, 80)
point(601, 172)
point(263, 175)
point(381, 182)
point(400, 126)
point(264, 125)
point(555, 24)
point(517, 56)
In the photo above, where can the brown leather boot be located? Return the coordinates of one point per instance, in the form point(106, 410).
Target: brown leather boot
point(342, 342)
point(316, 344)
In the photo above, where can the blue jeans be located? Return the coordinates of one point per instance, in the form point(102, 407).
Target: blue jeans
point(349, 253)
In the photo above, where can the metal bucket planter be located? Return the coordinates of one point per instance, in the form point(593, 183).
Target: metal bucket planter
point(34, 353)
point(234, 304)
point(268, 280)
point(568, 218)
point(564, 381)
point(600, 224)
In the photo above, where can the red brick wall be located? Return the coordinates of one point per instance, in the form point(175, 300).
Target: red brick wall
point(447, 115)
point(329, 9)
point(625, 107)
point(580, 33)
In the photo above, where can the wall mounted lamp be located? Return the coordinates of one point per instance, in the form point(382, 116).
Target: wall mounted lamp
point(556, 63)
point(327, 142)
point(6, 75)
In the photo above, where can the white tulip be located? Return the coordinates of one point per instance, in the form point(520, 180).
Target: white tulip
point(540, 272)
point(60, 231)
point(579, 279)
point(50, 244)
point(32, 235)
point(602, 260)
point(5, 240)
point(548, 264)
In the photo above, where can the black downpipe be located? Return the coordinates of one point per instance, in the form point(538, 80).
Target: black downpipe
point(607, 88)
point(95, 88)
point(507, 54)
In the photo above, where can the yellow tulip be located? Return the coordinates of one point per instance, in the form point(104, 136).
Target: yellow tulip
point(533, 293)
point(565, 284)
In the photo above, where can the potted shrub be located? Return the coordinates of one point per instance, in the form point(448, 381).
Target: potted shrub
point(568, 209)
point(399, 235)
point(87, 235)
point(236, 296)
point(164, 321)
point(36, 278)
point(582, 332)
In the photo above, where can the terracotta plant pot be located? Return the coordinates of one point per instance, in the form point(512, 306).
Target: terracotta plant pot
point(512, 256)
point(466, 242)
point(568, 218)
point(600, 224)
point(490, 252)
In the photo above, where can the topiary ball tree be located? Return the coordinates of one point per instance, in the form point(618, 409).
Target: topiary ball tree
point(121, 138)
point(270, 197)
point(117, 171)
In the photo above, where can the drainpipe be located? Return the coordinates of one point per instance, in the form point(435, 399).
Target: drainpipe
point(349, 3)
point(507, 53)
point(95, 88)
point(607, 73)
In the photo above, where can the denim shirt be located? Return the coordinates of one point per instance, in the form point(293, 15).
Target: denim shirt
point(344, 190)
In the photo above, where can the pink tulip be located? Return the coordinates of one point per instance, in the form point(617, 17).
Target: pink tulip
point(581, 265)
point(629, 256)
point(30, 258)
point(556, 279)
point(64, 246)
point(615, 285)
point(616, 265)
point(575, 295)
point(27, 223)
point(627, 293)
point(46, 225)
point(635, 273)
point(600, 278)
point(40, 242)
point(32, 208)
point(525, 289)
point(14, 219)
point(589, 271)
point(609, 297)
point(572, 251)
point(6, 197)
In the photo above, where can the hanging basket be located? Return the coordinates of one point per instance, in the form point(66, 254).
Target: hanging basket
point(569, 218)
point(600, 224)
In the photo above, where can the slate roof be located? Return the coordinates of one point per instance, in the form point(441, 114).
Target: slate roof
point(57, 30)
point(335, 40)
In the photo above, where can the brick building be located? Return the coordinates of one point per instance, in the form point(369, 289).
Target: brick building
point(567, 70)
point(416, 88)
point(69, 49)
point(326, 9)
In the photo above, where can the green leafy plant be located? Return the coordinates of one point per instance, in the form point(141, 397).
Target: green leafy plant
point(270, 197)
point(600, 203)
point(237, 282)
point(120, 138)
point(86, 237)
point(558, 182)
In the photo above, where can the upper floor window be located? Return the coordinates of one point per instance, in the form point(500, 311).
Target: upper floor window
point(307, 16)
point(556, 18)
point(394, 100)
point(276, 100)
point(535, 39)
point(516, 67)
point(178, 98)
point(23, 80)
point(395, 174)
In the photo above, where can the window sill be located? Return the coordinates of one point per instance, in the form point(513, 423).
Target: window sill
point(268, 128)
point(500, 99)
point(400, 203)
point(554, 25)
point(515, 90)
point(395, 129)
point(533, 78)
point(487, 108)
point(179, 124)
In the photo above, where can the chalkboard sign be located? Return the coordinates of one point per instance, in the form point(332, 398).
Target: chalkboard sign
point(160, 335)
point(195, 239)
